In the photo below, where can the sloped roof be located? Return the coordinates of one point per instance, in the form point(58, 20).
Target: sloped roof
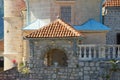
point(111, 3)
point(56, 29)
point(35, 25)
point(92, 25)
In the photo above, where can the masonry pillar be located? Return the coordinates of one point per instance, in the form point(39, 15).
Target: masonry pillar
point(13, 42)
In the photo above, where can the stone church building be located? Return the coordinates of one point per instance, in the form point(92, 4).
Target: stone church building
point(58, 39)
point(23, 17)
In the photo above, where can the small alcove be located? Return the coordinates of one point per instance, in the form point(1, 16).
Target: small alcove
point(55, 57)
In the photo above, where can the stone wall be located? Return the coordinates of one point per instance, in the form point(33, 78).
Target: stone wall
point(83, 71)
point(39, 9)
point(10, 74)
point(87, 70)
point(83, 7)
point(75, 70)
point(94, 37)
point(38, 49)
point(112, 20)
point(48, 10)
point(13, 74)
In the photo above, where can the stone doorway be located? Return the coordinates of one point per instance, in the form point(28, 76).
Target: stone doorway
point(55, 57)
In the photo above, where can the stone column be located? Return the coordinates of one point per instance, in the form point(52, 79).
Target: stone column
point(13, 42)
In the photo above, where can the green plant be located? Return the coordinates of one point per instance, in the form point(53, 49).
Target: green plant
point(23, 68)
point(107, 77)
point(114, 68)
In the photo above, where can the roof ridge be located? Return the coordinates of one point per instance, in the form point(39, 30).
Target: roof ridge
point(57, 28)
point(70, 27)
point(92, 25)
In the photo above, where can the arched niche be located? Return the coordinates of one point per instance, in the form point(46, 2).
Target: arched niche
point(55, 57)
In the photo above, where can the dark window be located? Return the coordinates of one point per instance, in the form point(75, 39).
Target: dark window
point(66, 13)
point(103, 19)
point(1, 64)
point(118, 38)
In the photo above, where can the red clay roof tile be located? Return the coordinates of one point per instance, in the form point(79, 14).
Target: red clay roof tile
point(112, 3)
point(2, 45)
point(58, 28)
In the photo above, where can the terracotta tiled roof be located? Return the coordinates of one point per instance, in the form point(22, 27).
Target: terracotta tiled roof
point(112, 3)
point(2, 45)
point(58, 28)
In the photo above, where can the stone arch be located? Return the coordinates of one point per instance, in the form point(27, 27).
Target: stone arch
point(55, 57)
point(50, 48)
